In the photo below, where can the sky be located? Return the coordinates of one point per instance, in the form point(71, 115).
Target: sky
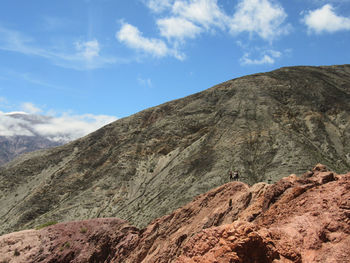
point(94, 61)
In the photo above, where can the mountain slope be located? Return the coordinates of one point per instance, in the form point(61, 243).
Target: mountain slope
point(144, 166)
point(297, 219)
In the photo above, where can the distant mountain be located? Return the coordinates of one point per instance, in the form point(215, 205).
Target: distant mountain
point(21, 132)
point(138, 168)
point(21, 137)
point(11, 147)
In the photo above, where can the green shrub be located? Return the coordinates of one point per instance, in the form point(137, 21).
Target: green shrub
point(65, 245)
point(83, 230)
point(50, 223)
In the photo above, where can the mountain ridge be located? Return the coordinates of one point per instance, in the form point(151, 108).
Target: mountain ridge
point(146, 165)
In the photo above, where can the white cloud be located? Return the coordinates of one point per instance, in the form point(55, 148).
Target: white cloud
point(30, 108)
point(274, 53)
point(325, 19)
point(158, 6)
point(187, 19)
point(328, 1)
point(88, 49)
point(177, 28)
point(86, 55)
point(10, 126)
point(132, 37)
point(63, 128)
point(262, 17)
point(203, 12)
point(267, 57)
point(70, 127)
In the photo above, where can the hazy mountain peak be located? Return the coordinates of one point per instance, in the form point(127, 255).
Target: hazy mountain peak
point(22, 132)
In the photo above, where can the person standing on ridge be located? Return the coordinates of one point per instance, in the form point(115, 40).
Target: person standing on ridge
point(235, 176)
point(230, 175)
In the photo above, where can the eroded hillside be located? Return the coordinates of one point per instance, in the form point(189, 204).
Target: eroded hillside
point(144, 166)
point(297, 219)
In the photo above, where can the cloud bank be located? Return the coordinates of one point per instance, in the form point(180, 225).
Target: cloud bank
point(178, 21)
point(63, 128)
point(325, 20)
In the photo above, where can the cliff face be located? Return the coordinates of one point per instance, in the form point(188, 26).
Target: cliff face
point(297, 219)
point(144, 166)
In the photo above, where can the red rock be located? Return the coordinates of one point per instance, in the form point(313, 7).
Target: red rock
point(303, 219)
point(94, 240)
point(320, 168)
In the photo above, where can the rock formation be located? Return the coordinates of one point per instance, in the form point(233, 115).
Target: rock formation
point(297, 219)
point(146, 165)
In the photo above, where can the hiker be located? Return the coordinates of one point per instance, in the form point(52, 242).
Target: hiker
point(235, 176)
point(230, 174)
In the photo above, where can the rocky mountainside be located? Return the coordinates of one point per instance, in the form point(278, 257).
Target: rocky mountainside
point(297, 219)
point(146, 165)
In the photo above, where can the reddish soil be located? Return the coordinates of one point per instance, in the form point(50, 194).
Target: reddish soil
point(298, 219)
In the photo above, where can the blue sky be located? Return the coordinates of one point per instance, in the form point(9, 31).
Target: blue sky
point(113, 58)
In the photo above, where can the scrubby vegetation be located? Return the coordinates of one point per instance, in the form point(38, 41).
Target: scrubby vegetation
point(50, 223)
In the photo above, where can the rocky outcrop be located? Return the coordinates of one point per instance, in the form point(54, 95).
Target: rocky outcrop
point(308, 221)
point(85, 241)
point(297, 219)
point(145, 166)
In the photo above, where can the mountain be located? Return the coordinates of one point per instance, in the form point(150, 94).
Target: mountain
point(18, 136)
point(21, 132)
point(13, 146)
point(138, 168)
point(297, 219)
